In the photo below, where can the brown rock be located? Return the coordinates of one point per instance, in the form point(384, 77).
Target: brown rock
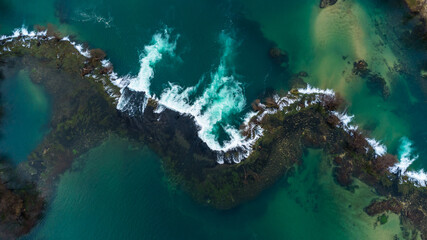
point(377, 207)
point(360, 68)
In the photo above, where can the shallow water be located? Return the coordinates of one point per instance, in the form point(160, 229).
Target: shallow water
point(26, 119)
point(118, 191)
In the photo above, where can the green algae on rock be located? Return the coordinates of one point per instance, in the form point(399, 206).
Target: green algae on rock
point(20, 204)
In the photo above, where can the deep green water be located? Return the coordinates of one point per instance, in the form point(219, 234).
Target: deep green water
point(118, 191)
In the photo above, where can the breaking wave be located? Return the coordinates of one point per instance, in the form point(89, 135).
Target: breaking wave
point(406, 158)
point(224, 97)
point(212, 110)
point(153, 53)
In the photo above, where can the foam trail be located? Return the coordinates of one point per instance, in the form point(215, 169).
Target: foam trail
point(406, 158)
point(379, 148)
point(223, 98)
point(219, 101)
point(160, 44)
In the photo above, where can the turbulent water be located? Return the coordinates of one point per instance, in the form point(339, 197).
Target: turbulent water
point(214, 101)
point(210, 59)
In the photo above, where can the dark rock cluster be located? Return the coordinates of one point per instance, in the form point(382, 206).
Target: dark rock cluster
point(375, 81)
point(327, 3)
point(279, 56)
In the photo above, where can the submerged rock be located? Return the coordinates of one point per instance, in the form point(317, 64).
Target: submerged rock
point(360, 68)
point(303, 74)
point(378, 83)
point(280, 56)
point(375, 82)
point(327, 3)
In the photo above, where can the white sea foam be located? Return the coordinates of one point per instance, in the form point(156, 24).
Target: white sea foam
point(217, 103)
point(380, 149)
point(344, 118)
point(223, 97)
point(160, 44)
point(406, 158)
point(94, 17)
point(310, 90)
point(80, 49)
point(67, 38)
point(25, 35)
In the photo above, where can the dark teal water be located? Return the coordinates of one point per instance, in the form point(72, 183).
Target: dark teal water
point(120, 191)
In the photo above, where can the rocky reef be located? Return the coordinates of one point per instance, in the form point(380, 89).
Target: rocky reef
point(282, 126)
point(21, 205)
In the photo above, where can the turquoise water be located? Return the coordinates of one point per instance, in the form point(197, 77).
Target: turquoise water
point(26, 119)
point(118, 191)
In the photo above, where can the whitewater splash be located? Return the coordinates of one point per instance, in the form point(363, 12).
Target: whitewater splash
point(152, 54)
point(223, 98)
point(212, 110)
point(406, 158)
point(160, 45)
point(24, 35)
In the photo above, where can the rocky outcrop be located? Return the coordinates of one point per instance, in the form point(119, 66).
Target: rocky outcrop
point(418, 6)
point(378, 207)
